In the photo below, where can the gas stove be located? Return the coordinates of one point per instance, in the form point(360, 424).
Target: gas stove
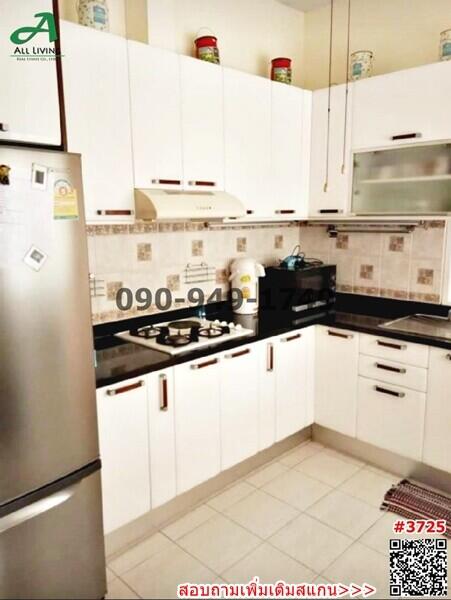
point(187, 335)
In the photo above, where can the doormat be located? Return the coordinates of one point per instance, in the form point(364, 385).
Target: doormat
point(412, 501)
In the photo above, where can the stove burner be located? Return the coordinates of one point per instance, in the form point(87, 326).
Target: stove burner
point(176, 340)
point(183, 324)
point(213, 331)
point(146, 332)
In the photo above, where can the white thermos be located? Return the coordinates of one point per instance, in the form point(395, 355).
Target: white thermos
point(244, 274)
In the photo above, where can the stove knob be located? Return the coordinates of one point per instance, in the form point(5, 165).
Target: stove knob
point(231, 325)
point(216, 322)
point(238, 326)
point(223, 323)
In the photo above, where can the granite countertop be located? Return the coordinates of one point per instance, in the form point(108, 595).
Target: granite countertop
point(118, 360)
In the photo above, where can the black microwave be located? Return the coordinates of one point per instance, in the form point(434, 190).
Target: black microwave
point(298, 290)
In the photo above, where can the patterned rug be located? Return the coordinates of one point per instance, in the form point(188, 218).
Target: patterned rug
point(412, 501)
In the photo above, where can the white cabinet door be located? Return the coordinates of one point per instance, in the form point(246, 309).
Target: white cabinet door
point(156, 116)
point(336, 378)
point(327, 161)
point(163, 486)
point(292, 382)
point(197, 421)
point(266, 393)
point(29, 104)
point(202, 124)
point(247, 131)
point(391, 417)
point(123, 436)
point(437, 439)
point(98, 119)
point(290, 149)
point(412, 103)
point(239, 405)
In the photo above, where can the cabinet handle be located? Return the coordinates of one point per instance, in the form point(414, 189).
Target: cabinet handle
point(406, 136)
point(163, 393)
point(448, 356)
point(330, 211)
point(382, 390)
point(270, 358)
point(208, 363)
point(346, 336)
point(391, 345)
point(115, 213)
point(291, 338)
point(390, 368)
point(285, 211)
point(250, 212)
point(202, 183)
point(236, 354)
point(167, 181)
point(125, 388)
point(4, 127)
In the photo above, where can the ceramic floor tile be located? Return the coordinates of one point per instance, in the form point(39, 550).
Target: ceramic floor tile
point(345, 457)
point(310, 542)
point(219, 543)
point(368, 486)
point(188, 522)
point(327, 468)
point(297, 489)
point(231, 495)
point(294, 457)
point(270, 565)
point(360, 564)
point(345, 513)
point(261, 513)
point(110, 575)
point(260, 477)
point(159, 576)
point(117, 590)
point(383, 473)
point(139, 553)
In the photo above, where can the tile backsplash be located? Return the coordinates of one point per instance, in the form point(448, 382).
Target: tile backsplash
point(391, 265)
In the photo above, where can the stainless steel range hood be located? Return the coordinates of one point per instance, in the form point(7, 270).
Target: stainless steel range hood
point(168, 205)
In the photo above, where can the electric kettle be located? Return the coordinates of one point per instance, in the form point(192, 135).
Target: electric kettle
point(244, 274)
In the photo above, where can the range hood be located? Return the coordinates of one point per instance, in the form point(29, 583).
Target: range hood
point(169, 205)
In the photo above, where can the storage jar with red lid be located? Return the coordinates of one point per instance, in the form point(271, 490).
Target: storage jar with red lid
point(207, 48)
point(281, 70)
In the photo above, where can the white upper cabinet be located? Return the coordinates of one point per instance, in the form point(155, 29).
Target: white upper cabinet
point(290, 149)
point(408, 106)
point(29, 105)
point(156, 116)
point(330, 160)
point(97, 104)
point(202, 124)
point(437, 439)
point(247, 123)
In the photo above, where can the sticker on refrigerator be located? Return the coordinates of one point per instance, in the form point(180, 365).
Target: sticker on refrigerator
point(39, 177)
point(35, 258)
point(65, 201)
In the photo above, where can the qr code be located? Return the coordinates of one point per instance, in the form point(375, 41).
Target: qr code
point(418, 567)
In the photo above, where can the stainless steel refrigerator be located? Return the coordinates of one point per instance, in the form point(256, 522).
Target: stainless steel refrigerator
point(51, 531)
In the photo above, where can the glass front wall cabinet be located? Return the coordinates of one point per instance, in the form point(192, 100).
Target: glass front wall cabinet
point(402, 181)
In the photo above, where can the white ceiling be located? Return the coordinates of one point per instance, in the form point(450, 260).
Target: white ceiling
point(305, 5)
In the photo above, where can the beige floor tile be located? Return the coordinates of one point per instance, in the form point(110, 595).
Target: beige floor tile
point(159, 576)
point(383, 473)
point(110, 575)
point(345, 513)
point(270, 565)
point(139, 553)
point(261, 513)
point(219, 543)
point(294, 457)
point(261, 476)
point(229, 496)
point(345, 457)
point(360, 564)
point(327, 468)
point(188, 522)
point(368, 486)
point(117, 590)
point(297, 489)
point(310, 542)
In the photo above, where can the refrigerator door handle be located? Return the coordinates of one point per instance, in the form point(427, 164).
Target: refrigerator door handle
point(37, 508)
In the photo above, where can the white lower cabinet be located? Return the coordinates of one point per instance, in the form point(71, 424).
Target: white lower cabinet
point(266, 394)
point(336, 373)
point(123, 436)
point(437, 439)
point(239, 405)
point(163, 484)
point(391, 417)
point(197, 421)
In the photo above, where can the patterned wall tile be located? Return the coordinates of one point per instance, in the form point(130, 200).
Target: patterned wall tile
point(278, 242)
point(342, 241)
point(144, 252)
point(425, 276)
point(366, 271)
point(197, 248)
point(112, 288)
point(396, 243)
point(222, 276)
point(173, 283)
point(241, 244)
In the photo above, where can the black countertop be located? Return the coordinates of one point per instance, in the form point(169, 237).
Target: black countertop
point(118, 360)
